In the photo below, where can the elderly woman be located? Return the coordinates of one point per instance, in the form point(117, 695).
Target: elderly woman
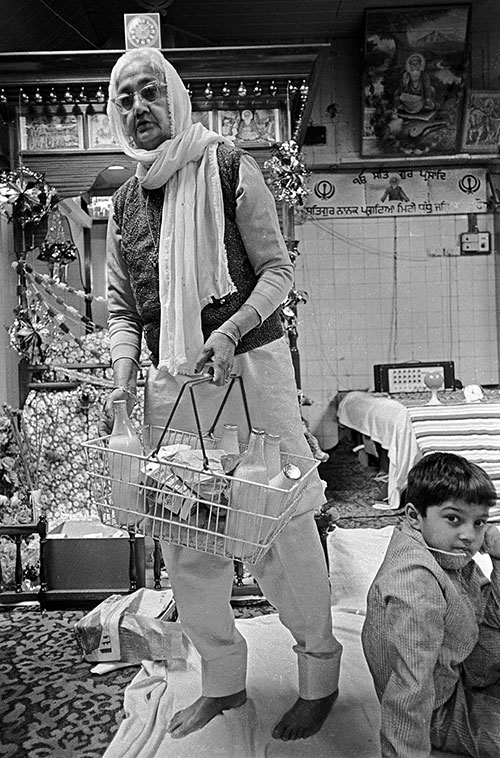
point(197, 263)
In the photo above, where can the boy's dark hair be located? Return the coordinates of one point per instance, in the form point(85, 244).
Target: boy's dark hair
point(439, 477)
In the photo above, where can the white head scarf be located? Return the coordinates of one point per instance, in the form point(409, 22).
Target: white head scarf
point(191, 258)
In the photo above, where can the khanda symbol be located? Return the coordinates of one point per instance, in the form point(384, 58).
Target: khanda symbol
point(324, 189)
point(469, 184)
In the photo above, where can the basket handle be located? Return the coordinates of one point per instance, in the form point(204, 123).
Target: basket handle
point(190, 385)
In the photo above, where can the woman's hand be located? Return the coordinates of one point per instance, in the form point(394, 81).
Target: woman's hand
point(218, 350)
point(491, 543)
point(108, 414)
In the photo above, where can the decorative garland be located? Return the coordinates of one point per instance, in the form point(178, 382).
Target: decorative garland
point(47, 282)
point(288, 173)
point(81, 376)
point(30, 332)
point(74, 315)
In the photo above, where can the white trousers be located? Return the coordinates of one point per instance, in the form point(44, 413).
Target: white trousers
point(293, 577)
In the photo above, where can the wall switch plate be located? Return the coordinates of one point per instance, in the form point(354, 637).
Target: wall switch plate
point(474, 243)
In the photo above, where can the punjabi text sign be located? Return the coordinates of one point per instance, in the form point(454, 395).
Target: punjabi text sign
point(398, 192)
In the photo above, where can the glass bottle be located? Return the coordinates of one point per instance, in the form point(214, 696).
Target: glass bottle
point(229, 439)
point(247, 500)
point(125, 457)
point(272, 454)
point(276, 498)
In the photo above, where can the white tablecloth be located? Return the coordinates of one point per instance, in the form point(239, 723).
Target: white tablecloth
point(387, 422)
point(407, 433)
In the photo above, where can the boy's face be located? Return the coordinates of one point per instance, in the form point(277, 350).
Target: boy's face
point(454, 526)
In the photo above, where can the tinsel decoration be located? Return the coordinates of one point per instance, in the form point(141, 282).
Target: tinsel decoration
point(56, 248)
point(29, 333)
point(25, 196)
point(289, 310)
point(288, 173)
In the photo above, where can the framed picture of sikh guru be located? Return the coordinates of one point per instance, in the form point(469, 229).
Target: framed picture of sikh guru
point(413, 80)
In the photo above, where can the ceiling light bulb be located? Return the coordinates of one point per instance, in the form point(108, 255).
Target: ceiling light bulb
point(242, 90)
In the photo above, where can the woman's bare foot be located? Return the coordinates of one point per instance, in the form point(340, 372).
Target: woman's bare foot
point(203, 710)
point(305, 718)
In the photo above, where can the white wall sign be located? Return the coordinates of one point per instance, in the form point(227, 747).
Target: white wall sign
point(398, 192)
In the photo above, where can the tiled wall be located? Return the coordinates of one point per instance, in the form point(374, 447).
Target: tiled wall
point(377, 294)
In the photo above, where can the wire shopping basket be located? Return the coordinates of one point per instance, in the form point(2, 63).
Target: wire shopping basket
point(196, 505)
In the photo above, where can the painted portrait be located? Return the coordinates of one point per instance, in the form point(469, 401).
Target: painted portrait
point(482, 122)
point(99, 132)
point(47, 131)
point(203, 117)
point(413, 88)
point(259, 126)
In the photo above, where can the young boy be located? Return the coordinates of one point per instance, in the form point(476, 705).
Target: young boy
point(432, 630)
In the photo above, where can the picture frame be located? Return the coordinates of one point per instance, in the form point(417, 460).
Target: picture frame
point(481, 129)
point(99, 136)
point(49, 130)
point(204, 117)
point(414, 80)
point(250, 127)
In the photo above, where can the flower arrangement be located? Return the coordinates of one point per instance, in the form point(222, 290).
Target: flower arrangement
point(9, 481)
point(18, 477)
point(288, 173)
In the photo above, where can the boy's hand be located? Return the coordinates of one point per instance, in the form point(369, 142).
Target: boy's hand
point(491, 544)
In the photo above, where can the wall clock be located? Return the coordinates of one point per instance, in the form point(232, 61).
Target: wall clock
point(142, 30)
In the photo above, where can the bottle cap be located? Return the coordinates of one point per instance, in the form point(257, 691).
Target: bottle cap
point(291, 471)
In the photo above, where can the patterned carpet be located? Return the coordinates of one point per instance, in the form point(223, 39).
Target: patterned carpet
point(53, 707)
point(353, 487)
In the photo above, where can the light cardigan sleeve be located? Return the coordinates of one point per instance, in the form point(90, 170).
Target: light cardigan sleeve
point(258, 224)
point(125, 325)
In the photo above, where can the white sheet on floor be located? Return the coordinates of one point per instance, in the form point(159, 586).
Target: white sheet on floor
point(349, 732)
point(351, 729)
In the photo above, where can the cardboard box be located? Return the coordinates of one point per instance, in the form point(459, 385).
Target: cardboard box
point(88, 556)
point(132, 629)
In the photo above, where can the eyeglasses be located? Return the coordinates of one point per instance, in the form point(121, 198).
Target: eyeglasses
point(150, 93)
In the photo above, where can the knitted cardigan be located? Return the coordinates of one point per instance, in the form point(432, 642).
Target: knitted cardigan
point(137, 213)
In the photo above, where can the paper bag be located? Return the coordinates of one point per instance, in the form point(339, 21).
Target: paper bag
point(133, 628)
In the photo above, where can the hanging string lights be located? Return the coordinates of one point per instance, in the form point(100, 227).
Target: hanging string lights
point(207, 90)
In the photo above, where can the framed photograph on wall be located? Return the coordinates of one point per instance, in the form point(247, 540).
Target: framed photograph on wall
point(204, 117)
point(250, 127)
point(50, 130)
point(99, 135)
point(481, 133)
point(413, 80)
